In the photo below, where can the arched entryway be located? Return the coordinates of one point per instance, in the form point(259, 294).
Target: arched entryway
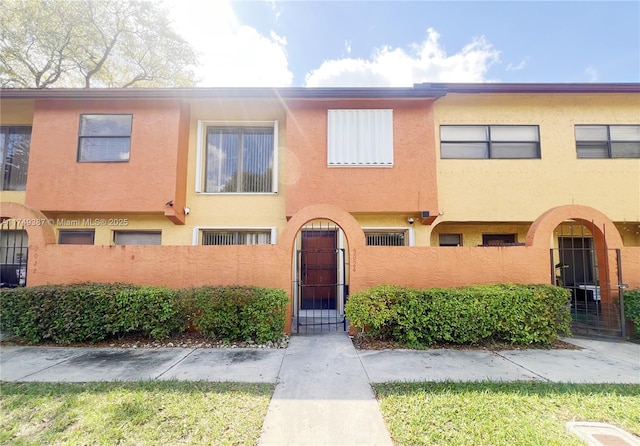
point(585, 259)
point(323, 240)
point(21, 228)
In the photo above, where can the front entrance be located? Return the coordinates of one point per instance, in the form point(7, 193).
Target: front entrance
point(319, 274)
point(593, 276)
point(320, 278)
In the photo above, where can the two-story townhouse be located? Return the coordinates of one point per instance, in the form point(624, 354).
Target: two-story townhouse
point(326, 191)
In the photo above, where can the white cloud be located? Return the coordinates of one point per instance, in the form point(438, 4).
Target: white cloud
point(592, 74)
point(347, 46)
point(394, 67)
point(231, 54)
point(520, 66)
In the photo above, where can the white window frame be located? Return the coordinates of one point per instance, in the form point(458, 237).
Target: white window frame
point(354, 147)
point(410, 232)
point(198, 229)
point(201, 150)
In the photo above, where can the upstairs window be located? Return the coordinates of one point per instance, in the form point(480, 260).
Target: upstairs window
point(608, 141)
point(360, 138)
point(14, 156)
point(240, 159)
point(230, 237)
point(489, 141)
point(104, 138)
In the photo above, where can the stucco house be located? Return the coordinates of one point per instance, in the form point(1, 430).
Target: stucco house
point(324, 192)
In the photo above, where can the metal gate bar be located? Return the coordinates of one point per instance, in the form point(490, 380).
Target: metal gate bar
point(596, 293)
point(14, 248)
point(320, 281)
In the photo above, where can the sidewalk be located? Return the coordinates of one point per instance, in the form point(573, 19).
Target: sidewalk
point(323, 383)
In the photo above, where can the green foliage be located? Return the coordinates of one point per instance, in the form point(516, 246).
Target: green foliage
point(239, 312)
point(519, 314)
point(632, 306)
point(95, 311)
point(152, 311)
point(91, 43)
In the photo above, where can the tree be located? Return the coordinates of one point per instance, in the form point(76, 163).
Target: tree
point(91, 43)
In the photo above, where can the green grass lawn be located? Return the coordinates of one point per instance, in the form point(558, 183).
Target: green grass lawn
point(137, 413)
point(502, 413)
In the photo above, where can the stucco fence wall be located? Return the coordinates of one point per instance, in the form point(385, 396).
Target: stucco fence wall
point(272, 265)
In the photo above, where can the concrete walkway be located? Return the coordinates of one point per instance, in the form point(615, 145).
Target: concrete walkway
point(323, 397)
point(323, 393)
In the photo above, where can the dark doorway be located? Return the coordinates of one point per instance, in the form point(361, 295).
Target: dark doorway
point(318, 269)
point(577, 261)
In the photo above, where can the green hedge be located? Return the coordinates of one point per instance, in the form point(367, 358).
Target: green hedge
point(93, 312)
point(632, 306)
point(239, 313)
point(519, 314)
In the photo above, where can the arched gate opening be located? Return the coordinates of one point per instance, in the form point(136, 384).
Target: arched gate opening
point(321, 273)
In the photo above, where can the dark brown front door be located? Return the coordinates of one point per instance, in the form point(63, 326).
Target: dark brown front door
point(318, 270)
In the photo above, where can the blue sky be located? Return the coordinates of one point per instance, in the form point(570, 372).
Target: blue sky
point(397, 43)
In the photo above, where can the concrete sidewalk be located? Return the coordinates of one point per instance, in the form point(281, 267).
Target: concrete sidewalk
point(323, 383)
point(597, 362)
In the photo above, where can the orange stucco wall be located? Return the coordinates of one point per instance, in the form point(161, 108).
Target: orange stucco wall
point(408, 186)
point(154, 174)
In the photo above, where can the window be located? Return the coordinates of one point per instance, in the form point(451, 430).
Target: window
point(450, 239)
point(14, 156)
point(240, 159)
point(75, 237)
point(104, 138)
point(386, 238)
point(360, 138)
point(489, 141)
point(137, 237)
point(608, 141)
point(499, 239)
point(226, 237)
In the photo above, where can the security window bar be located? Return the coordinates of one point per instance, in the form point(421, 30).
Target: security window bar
point(360, 138)
point(489, 142)
point(104, 138)
point(236, 237)
point(14, 156)
point(608, 141)
point(386, 238)
point(239, 159)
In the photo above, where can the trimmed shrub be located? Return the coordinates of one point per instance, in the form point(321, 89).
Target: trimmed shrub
point(239, 312)
point(519, 314)
point(632, 306)
point(153, 311)
point(59, 313)
point(93, 312)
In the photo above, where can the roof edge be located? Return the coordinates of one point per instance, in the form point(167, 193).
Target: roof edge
point(204, 93)
point(531, 87)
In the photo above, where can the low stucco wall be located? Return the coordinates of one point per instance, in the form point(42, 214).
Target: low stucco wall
point(422, 267)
